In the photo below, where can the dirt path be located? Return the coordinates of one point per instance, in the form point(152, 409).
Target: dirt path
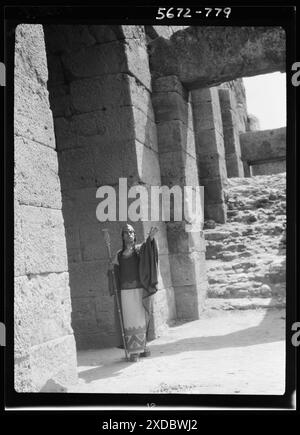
point(226, 352)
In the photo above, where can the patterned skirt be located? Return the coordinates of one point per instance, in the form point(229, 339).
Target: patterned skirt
point(134, 319)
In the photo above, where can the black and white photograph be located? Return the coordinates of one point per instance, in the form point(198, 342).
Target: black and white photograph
point(150, 206)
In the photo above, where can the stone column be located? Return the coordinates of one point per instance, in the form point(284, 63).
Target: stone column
point(210, 151)
point(247, 171)
point(234, 163)
point(178, 166)
point(105, 129)
point(45, 352)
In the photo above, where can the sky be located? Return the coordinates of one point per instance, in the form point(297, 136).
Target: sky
point(266, 99)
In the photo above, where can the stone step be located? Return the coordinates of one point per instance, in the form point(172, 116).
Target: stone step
point(246, 255)
point(244, 303)
point(246, 289)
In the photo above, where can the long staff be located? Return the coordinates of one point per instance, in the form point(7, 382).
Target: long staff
point(107, 242)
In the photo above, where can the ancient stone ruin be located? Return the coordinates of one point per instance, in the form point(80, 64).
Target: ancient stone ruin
point(157, 105)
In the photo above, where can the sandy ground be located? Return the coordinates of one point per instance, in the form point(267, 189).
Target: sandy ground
point(226, 352)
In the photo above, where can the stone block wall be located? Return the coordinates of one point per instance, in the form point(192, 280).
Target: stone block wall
point(230, 123)
point(100, 93)
point(275, 167)
point(264, 151)
point(178, 164)
point(238, 103)
point(210, 151)
point(44, 341)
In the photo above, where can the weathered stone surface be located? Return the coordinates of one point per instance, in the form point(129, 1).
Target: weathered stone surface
point(234, 166)
point(76, 168)
point(100, 93)
point(164, 31)
point(212, 250)
point(277, 271)
point(32, 114)
point(19, 257)
point(216, 212)
point(216, 235)
point(170, 84)
point(55, 359)
point(44, 240)
point(104, 33)
point(181, 262)
point(145, 129)
point(130, 159)
point(263, 146)
point(263, 275)
point(189, 301)
point(106, 92)
point(42, 310)
point(137, 60)
point(84, 237)
point(142, 231)
point(238, 95)
point(204, 56)
point(95, 60)
point(213, 190)
point(104, 314)
point(209, 224)
point(87, 320)
point(100, 127)
point(44, 342)
point(60, 101)
point(174, 136)
point(209, 141)
point(164, 311)
point(178, 168)
point(65, 38)
point(89, 279)
point(73, 244)
point(80, 215)
point(114, 160)
point(275, 167)
point(229, 118)
point(211, 165)
point(36, 174)
point(55, 71)
point(164, 277)
point(206, 116)
point(22, 375)
point(129, 56)
point(231, 134)
point(148, 170)
point(208, 133)
point(182, 241)
point(178, 165)
point(95, 340)
point(30, 45)
point(112, 33)
point(206, 109)
point(247, 172)
point(169, 106)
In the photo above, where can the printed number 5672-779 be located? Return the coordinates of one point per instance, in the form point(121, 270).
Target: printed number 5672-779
point(186, 12)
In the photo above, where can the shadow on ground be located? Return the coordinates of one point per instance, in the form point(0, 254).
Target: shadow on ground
point(267, 331)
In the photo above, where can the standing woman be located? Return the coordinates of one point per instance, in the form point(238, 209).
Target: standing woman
point(135, 268)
